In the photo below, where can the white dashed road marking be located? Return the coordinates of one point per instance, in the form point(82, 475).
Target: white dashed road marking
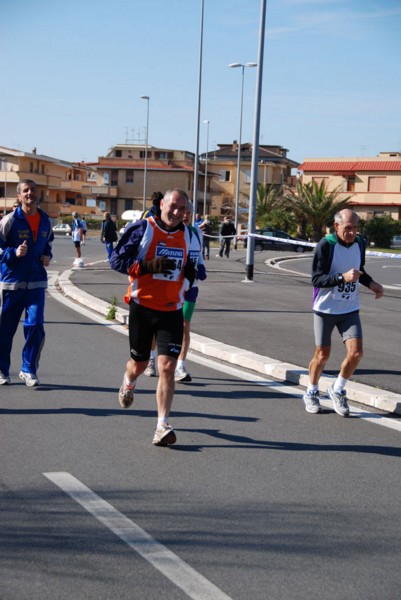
point(195, 585)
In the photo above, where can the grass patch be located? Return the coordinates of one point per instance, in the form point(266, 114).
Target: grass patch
point(111, 315)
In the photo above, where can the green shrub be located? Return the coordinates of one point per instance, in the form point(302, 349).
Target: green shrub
point(380, 230)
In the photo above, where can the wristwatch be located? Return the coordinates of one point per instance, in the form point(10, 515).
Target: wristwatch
point(339, 278)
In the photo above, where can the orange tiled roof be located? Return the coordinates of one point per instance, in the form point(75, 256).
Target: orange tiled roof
point(350, 166)
point(152, 164)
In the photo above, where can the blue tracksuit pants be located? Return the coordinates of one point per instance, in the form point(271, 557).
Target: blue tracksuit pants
point(12, 305)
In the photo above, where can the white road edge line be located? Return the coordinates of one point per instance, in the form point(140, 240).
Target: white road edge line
point(373, 418)
point(195, 585)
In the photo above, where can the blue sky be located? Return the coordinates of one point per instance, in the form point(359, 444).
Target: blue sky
point(72, 73)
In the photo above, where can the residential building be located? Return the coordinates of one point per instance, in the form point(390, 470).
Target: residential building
point(374, 184)
point(274, 169)
point(59, 182)
point(117, 179)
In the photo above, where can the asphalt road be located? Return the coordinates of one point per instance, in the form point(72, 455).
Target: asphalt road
point(272, 316)
point(257, 500)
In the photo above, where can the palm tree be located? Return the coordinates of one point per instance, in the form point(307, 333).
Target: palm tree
point(313, 204)
point(268, 198)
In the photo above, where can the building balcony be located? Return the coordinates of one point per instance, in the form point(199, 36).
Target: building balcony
point(72, 185)
point(101, 191)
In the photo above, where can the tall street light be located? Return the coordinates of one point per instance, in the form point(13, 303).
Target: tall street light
point(145, 174)
point(4, 165)
point(255, 147)
point(207, 152)
point(237, 185)
point(196, 168)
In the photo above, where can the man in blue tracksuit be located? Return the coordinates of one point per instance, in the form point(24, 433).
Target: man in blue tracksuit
point(25, 250)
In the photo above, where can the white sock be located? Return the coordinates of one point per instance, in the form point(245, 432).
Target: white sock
point(130, 383)
point(152, 355)
point(180, 364)
point(161, 421)
point(313, 388)
point(340, 384)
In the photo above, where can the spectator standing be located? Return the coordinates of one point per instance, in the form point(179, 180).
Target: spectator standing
point(198, 220)
point(154, 210)
point(26, 249)
point(109, 233)
point(227, 232)
point(337, 270)
point(84, 229)
point(155, 254)
point(76, 236)
point(206, 229)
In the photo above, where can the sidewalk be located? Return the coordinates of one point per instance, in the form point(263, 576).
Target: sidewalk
point(362, 394)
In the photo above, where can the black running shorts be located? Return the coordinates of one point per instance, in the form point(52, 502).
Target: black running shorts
point(145, 323)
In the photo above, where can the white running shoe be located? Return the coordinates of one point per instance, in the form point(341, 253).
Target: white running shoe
point(4, 379)
point(126, 394)
point(339, 399)
point(30, 379)
point(182, 376)
point(150, 370)
point(164, 436)
point(312, 402)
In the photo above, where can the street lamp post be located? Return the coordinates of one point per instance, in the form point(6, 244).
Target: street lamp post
point(237, 185)
point(207, 152)
point(196, 166)
point(145, 174)
point(5, 167)
point(255, 154)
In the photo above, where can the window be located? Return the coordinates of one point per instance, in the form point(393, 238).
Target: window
point(43, 169)
point(118, 154)
point(225, 176)
point(114, 179)
point(129, 176)
point(376, 184)
point(350, 184)
point(142, 154)
point(31, 167)
point(128, 204)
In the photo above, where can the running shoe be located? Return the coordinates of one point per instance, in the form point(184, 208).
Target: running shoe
point(150, 370)
point(312, 402)
point(126, 394)
point(4, 379)
point(164, 436)
point(340, 401)
point(30, 379)
point(182, 376)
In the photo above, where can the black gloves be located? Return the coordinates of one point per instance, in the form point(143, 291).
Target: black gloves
point(163, 265)
point(190, 272)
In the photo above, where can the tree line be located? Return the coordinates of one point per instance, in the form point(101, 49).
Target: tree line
point(308, 210)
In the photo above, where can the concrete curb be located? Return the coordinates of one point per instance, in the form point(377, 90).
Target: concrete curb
point(363, 394)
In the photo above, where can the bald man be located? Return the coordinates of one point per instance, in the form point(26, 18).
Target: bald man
point(337, 271)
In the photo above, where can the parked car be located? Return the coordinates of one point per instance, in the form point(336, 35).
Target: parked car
point(288, 241)
point(396, 241)
point(62, 229)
